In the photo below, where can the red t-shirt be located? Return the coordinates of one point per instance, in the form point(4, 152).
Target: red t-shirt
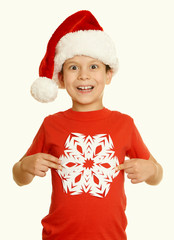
point(88, 199)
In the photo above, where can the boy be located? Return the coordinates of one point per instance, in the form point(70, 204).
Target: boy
point(84, 146)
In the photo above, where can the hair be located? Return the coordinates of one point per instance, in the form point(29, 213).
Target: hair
point(107, 68)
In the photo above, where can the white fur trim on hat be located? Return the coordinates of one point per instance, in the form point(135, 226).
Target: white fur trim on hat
point(93, 43)
point(44, 90)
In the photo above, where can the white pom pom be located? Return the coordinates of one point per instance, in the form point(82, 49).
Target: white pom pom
point(44, 90)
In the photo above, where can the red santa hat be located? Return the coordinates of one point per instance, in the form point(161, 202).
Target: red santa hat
point(79, 34)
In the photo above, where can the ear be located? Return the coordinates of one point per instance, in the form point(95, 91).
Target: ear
point(60, 80)
point(109, 76)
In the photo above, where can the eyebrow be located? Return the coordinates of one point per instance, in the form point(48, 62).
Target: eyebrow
point(71, 62)
point(75, 62)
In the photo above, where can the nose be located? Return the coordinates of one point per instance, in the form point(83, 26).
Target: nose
point(83, 74)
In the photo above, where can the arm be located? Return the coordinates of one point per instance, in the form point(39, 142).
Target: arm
point(158, 173)
point(34, 165)
point(20, 176)
point(141, 170)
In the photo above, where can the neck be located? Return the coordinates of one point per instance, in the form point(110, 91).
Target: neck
point(86, 108)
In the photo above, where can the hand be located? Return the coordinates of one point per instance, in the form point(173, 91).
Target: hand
point(38, 164)
point(138, 170)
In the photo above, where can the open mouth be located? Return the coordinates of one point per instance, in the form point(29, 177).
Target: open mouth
point(85, 88)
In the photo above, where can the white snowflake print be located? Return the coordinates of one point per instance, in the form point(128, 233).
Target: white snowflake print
point(88, 164)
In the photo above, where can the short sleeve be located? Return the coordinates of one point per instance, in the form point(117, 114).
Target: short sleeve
point(38, 143)
point(137, 147)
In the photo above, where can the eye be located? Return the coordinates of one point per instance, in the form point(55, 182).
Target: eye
point(94, 66)
point(73, 67)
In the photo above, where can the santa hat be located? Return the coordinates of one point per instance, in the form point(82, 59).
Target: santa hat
point(79, 34)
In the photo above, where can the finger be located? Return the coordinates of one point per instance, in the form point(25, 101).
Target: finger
point(119, 167)
point(127, 164)
point(131, 176)
point(51, 158)
point(129, 170)
point(41, 174)
point(134, 181)
point(52, 165)
point(44, 168)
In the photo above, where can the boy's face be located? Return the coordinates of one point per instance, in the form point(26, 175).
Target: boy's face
point(85, 78)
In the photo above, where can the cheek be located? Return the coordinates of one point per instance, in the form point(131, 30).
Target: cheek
point(69, 86)
point(67, 81)
point(102, 81)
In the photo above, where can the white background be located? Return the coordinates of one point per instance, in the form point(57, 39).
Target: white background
point(143, 88)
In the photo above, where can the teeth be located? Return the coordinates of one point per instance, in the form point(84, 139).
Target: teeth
point(85, 87)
